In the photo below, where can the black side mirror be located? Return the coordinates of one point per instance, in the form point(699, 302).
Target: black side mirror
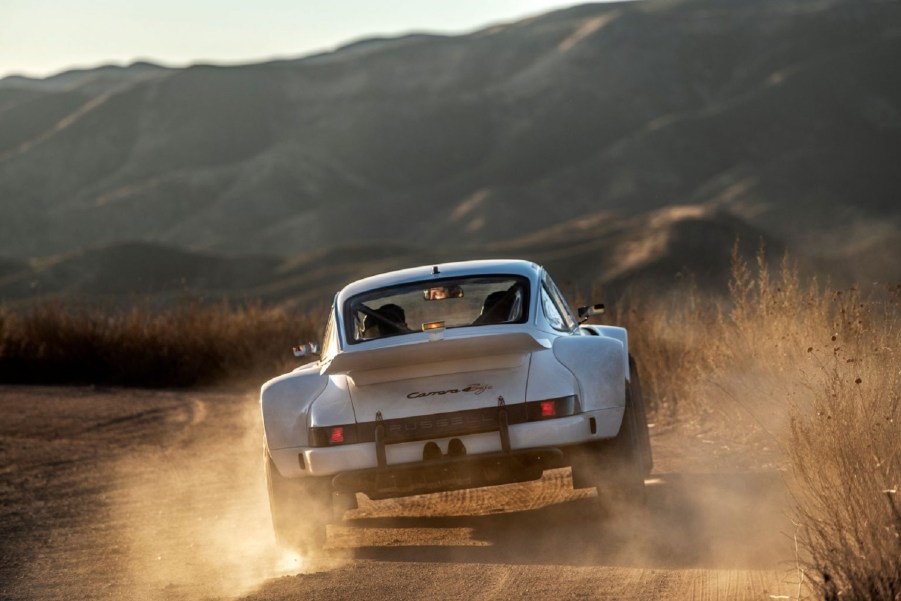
point(591, 311)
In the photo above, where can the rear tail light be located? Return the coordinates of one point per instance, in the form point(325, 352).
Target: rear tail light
point(329, 436)
point(548, 408)
point(552, 408)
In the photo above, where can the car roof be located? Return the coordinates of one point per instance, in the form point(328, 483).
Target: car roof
point(440, 271)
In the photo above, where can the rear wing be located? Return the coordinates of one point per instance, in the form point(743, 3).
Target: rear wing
point(424, 351)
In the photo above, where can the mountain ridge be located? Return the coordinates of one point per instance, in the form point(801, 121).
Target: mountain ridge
point(784, 116)
point(604, 250)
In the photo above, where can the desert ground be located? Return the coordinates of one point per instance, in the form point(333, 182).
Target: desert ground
point(132, 494)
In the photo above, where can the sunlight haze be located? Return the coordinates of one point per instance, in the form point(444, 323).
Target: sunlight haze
point(48, 36)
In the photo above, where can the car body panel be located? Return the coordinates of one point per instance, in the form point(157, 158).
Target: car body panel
point(417, 349)
point(597, 364)
point(442, 393)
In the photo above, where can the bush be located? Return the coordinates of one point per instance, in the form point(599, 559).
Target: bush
point(816, 373)
point(846, 451)
point(670, 339)
point(838, 357)
point(193, 344)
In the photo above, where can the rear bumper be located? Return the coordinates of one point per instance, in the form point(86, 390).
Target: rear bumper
point(295, 462)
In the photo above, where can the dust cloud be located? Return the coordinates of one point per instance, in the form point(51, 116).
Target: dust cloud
point(718, 498)
point(164, 497)
point(691, 519)
point(195, 515)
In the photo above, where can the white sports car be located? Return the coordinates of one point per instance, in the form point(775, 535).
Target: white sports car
point(449, 377)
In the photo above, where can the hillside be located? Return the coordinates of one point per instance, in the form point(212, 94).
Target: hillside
point(666, 247)
point(781, 117)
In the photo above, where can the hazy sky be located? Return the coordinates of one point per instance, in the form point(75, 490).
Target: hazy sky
point(41, 37)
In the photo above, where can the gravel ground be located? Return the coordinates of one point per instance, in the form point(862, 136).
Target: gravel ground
point(124, 494)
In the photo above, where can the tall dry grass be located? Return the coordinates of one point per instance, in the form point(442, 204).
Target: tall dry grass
point(670, 337)
point(815, 371)
point(189, 345)
point(846, 451)
point(837, 356)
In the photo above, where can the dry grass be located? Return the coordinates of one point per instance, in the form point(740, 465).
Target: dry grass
point(815, 372)
point(846, 450)
point(670, 338)
point(190, 345)
point(836, 356)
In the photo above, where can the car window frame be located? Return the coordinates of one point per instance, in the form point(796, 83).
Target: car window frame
point(348, 322)
point(559, 302)
point(547, 306)
point(330, 340)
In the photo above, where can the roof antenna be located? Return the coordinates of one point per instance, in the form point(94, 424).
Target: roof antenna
point(435, 270)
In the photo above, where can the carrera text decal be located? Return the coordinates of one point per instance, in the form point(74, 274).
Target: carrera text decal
point(473, 388)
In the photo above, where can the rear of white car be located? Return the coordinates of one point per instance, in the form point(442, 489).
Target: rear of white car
point(442, 378)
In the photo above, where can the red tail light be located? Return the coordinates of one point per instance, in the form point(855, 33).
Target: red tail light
point(552, 408)
point(336, 435)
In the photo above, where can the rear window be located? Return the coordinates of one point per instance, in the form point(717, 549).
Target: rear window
point(449, 303)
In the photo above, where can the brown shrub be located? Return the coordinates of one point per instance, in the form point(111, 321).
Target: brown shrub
point(836, 357)
point(846, 451)
point(670, 339)
point(192, 344)
point(812, 372)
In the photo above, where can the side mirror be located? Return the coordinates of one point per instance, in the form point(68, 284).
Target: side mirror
point(306, 350)
point(591, 311)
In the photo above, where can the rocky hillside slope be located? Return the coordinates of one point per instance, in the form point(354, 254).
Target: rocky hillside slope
point(778, 118)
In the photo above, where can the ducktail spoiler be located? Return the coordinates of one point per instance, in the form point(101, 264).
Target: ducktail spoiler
point(435, 351)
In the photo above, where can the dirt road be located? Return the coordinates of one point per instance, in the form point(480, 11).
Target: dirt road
point(122, 494)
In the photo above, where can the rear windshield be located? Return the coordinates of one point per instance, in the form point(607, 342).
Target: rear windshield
point(448, 303)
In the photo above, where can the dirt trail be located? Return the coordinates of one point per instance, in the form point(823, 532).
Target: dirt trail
point(115, 494)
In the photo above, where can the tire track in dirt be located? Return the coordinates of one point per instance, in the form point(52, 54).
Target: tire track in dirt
point(78, 462)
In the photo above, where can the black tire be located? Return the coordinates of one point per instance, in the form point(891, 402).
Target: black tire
point(616, 467)
point(641, 418)
point(300, 508)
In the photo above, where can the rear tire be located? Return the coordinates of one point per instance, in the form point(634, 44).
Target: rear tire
point(641, 417)
point(300, 508)
point(616, 467)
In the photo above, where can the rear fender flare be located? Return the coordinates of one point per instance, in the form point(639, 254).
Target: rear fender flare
point(285, 404)
point(621, 334)
point(597, 364)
